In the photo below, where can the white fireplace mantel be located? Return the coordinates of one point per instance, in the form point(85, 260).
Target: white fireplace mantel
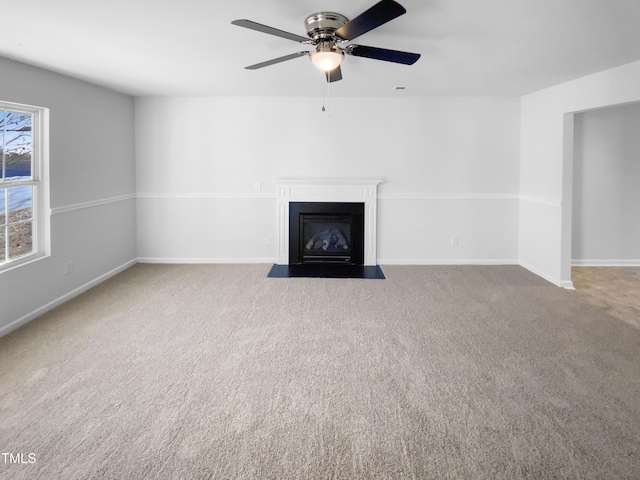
point(354, 190)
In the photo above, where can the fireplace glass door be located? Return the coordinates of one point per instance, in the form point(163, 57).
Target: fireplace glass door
point(326, 238)
point(326, 232)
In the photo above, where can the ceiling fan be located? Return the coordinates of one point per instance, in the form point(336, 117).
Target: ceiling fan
point(328, 31)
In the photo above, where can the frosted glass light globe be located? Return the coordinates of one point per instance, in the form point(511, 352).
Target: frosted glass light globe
point(326, 60)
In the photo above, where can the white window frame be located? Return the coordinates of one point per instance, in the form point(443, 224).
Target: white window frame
point(41, 236)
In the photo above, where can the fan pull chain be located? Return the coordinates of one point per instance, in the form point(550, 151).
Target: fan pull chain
point(328, 93)
point(328, 109)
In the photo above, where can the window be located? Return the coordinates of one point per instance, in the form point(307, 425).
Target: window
point(23, 192)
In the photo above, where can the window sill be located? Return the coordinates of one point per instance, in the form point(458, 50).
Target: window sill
point(26, 260)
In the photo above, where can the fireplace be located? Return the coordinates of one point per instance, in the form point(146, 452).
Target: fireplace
point(326, 233)
point(327, 190)
point(327, 228)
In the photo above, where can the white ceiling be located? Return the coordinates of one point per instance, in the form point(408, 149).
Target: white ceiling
point(468, 47)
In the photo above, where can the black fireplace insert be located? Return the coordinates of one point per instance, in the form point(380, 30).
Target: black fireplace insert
point(326, 233)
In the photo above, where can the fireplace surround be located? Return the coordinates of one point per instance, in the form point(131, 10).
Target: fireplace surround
point(328, 190)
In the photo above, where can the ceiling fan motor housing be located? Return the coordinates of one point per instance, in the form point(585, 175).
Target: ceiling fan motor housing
point(320, 26)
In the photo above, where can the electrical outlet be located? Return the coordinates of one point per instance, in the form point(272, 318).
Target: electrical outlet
point(454, 240)
point(68, 267)
point(257, 186)
point(270, 239)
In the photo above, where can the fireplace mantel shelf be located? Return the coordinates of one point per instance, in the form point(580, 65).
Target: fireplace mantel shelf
point(315, 189)
point(328, 181)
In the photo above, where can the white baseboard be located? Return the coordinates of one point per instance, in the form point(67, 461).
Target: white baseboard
point(64, 298)
point(556, 281)
point(605, 263)
point(381, 261)
point(192, 260)
point(422, 261)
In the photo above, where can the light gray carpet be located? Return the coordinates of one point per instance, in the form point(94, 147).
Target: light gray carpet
point(215, 371)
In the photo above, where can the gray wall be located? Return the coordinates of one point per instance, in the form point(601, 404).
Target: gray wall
point(450, 167)
point(92, 189)
point(606, 190)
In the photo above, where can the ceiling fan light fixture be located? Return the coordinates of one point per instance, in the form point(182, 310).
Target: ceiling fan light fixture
point(326, 58)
